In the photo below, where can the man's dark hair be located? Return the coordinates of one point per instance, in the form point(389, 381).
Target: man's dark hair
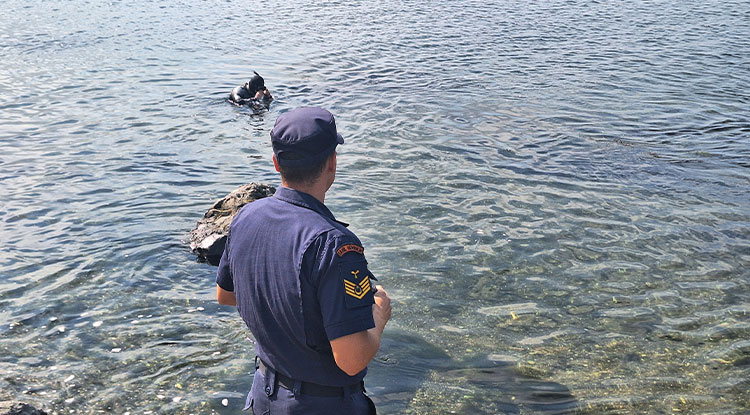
point(304, 174)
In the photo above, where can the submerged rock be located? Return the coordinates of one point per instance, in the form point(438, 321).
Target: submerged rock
point(208, 238)
point(18, 408)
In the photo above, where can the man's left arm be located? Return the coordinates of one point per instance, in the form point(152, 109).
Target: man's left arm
point(354, 352)
point(353, 316)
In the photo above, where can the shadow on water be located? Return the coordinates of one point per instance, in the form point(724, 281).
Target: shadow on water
point(410, 375)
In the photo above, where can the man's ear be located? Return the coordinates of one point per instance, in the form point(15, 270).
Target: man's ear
point(331, 165)
point(275, 163)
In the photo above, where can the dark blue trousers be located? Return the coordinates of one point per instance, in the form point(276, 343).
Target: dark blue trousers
point(266, 397)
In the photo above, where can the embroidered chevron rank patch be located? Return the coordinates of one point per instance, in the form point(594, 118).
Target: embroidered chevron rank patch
point(358, 284)
point(357, 289)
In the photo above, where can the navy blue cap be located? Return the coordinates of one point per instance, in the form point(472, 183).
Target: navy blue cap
point(304, 136)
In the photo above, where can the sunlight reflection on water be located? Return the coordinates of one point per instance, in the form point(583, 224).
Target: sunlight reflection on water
point(554, 194)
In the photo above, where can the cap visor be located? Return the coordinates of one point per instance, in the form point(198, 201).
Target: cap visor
point(339, 138)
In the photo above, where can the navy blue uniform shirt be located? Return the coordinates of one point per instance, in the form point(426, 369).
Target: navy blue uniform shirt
point(300, 279)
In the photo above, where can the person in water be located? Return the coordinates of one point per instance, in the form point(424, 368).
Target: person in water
point(252, 92)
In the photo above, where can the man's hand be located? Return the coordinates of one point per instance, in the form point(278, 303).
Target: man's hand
point(381, 310)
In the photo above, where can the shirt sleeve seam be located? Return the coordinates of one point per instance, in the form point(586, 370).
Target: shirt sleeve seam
point(224, 288)
point(359, 325)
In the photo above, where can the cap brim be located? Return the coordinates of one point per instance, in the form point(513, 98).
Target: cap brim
point(339, 138)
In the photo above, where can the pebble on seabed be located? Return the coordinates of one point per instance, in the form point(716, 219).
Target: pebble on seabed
point(116, 350)
point(225, 402)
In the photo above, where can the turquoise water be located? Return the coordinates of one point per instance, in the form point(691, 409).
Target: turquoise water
point(555, 195)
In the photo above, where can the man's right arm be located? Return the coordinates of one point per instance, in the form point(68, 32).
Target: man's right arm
point(354, 352)
point(225, 297)
point(224, 280)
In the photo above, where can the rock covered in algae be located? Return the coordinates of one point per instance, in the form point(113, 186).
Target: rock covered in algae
point(18, 408)
point(208, 238)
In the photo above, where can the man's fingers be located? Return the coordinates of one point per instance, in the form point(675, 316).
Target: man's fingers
point(383, 302)
point(380, 291)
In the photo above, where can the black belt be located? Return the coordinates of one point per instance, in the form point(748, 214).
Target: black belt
point(312, 389)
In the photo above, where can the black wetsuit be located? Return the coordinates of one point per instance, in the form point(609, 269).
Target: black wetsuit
point(245, 94)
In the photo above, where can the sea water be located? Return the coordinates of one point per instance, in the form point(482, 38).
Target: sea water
point(555, 194)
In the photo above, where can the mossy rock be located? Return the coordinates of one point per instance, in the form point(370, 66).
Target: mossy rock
point(209, 237)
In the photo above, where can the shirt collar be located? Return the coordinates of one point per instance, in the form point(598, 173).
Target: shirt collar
point(304, 200)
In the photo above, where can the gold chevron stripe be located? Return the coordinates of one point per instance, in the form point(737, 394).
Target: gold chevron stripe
point(351, 288)
point(358, 297)
point(362, 283)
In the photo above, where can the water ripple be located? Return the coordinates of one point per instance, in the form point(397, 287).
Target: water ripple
point(564, 183)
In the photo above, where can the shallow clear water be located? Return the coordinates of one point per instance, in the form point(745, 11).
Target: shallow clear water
point(556, 195)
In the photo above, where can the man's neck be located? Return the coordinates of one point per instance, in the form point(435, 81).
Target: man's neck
point(315, 190)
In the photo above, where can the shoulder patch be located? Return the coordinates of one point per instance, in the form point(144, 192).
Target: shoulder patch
point(358, 286)
point(350, 248)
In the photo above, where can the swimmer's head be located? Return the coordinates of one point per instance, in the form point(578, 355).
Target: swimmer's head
point(256, 83)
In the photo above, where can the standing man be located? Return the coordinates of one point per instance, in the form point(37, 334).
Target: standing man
point(300, 281)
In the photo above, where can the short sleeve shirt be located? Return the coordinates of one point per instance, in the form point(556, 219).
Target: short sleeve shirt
point(301, 280)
